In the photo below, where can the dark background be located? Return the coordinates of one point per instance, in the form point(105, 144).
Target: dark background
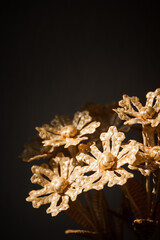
point(57, 56)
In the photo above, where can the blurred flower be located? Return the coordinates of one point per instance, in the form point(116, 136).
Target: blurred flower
point(147, 159)
point(133, 112)
point(63, 131)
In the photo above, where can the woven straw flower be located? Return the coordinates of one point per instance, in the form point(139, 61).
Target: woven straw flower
point(66, 132)
point(147, 159)
point(133, 112)
point(105, 167)
point(58, 184)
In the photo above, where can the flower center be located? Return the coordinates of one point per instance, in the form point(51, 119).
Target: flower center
point(106, 160)
point(69, 131)
point(59, 184)
point(147, 112)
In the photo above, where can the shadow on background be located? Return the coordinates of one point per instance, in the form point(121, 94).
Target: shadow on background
point(56, 57)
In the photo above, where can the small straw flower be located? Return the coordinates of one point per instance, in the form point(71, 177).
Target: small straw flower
point(63, 131)
point(58, 184)
point(133, 112)
point(147, 159)
point(105, 167)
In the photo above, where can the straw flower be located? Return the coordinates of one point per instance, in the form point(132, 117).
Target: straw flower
point(147, 159)
point(58, 184)
point(105, 167)
point(63, 131)
point(133, 112)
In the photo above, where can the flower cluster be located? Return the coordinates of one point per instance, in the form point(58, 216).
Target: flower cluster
point(82, 156)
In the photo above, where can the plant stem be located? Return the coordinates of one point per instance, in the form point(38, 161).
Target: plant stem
point(148, 187)
point(148, 190)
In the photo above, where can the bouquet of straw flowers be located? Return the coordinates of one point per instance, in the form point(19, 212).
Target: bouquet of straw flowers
point(84, 154)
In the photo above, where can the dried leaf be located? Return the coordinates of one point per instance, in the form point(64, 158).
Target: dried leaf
point(103, 214)
point(137, 197)
point(80, 215)
point(98, 206)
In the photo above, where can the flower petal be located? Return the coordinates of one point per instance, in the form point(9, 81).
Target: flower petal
point(95, 151)
point(138, 121)
point(60, 121)
point(155, 122)
point(81, 119)
point(89, 129)
point(74, 141)
point(54, 142)
point(150, 98)
point(85, 158)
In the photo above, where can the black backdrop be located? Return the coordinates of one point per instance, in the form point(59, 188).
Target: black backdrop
point(57, 56)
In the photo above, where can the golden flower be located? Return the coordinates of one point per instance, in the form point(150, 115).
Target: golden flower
point(63, 131)
point(133, 112)
point(105, 167)
point(147, 159)
point(58, 184)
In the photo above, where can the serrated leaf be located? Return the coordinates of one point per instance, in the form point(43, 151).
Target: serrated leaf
point(98, 206)
point(80, 215)
point(106, 224)
point(120, 223)
point(137, 196)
